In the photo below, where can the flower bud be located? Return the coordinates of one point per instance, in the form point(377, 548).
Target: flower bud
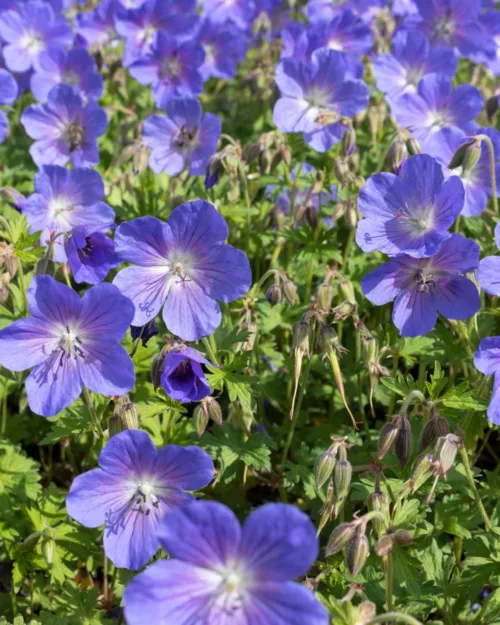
point(402, 537)
point(323, 468)
point(264, 161)
point(347, 290)
point(140, 159)
point(339, 538)
point(351, 215)
point(397, 155)
point(435, 427)
point(115, 425)
point(466, 156)
point(344, 310)
point(380, 502)
point(290, 291)
point(423, 469)
point(6, 298)
point(387, 437)
point(349, 141)
point(45, 266)
point(274, 295)
point(385, 545)
point(213, 409)
point(492, 105)
point(324, 296)
point(128, 413)
point(342, 482)
point(200, 419)
point(357, 553)
point(446, 451)
point(366, 612)
point(157, 367)
point(341, 171)
point(311, 215)
point(413, 146)
point(31, 541)
point(49, 545)
point(301, 337)
point(403, 443)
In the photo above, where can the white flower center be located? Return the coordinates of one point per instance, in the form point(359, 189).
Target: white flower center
point(60, 209)
point(144, 497)
point(69, 344)
point(32, 42)
point(233, 589)
point(437, 120)
point(147, 35)
point(335, 44)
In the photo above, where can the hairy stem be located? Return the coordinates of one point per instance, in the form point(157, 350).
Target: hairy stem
point(470, 478)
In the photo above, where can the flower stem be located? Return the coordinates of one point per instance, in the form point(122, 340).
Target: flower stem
point(491, 151)
point(470, 478)
point(389, 580)
point(396, 617)
point(210, 349)
point(89, 402)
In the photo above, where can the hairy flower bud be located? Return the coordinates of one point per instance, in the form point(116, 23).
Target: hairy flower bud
point(324, 296)
point(385, 545)
point(403, 443)
point(157, 367)
point(213, 409)
point(301, 337)
point(342, 482)
point(422, 471)
point(49, 545)
point(413, 146)
point(466, 156)
point(339, 538)
point(397, 155)
point(349, 141)
point(128, 413)
point(357, 553)
point(6, 299)
point(402, 537)
point(323, 467)
point(387, 437)
point(492, 105)
point(115, 425)
point(380, 502)
point(445, 452)
point(435, 427)
point(200, 418)
point(274, 295)
point(289, 291)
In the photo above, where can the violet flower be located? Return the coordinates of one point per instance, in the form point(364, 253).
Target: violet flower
point(224, 46)
point(487, 360)
point(69, 343)
point(8, 95)
point(182, 266)
point(424, 286)
point(90, 253)
point(182, 376)
point(220, 572)
point(98, 26)
point(144, 332)
point(133, 488)
point(64, 128)
point(239, 12)
point(184, 138)
point(488, 273)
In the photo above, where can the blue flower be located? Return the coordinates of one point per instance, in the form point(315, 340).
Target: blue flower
point(182, 376)
point(8, 95)
point(90, 253)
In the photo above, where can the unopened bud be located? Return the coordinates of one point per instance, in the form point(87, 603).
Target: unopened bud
point(387, 437)
point(156, 368)
point(264, 161)
point(140, 159)
point(6, 299)
point(31, 541)
point(435, 427)
point(402, 537)
point(366, 612)
point(311, 215)
point(342, 482)
point(324, 296)
point(446, 451)
point(339, 538)
point(403, 443)
point(115, 425)
point(466, 156)
point(301, 337)
point(347, 290)
point(349, 141)
point(49, 546)
point(351, 215)
point(128, 413)
point(274, 295)
point(344, 311)
point(45, 266)
point(323, 468)
point(385, 545)
point(357, 553)
point(413, 146)
point(422, 471)
point(200, 419)
point(213, 409)
point(290, 291)
point(492, 105)
point(341, 171)
point(380, 502)
point(397, 155)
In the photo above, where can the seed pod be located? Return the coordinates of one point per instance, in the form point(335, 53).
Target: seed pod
point(397, 155)
point(357, 553)
point(323, 468)
point(311, 215)
point(402, 537)
point(385, 545)
point(387, 437)
point(351, 215)
point(342, 479)
point(213, 409)
point(44, 266)
point(423, 469)
point(290, 291)
point(492, 105)
point(327, 508)
point(275, 295)
point(435, 427)
point(379, 501)
point(413, 146)
point(403, 443)
point(446, 451)
point(324, 296)
point(200, 419)
point(339, 538)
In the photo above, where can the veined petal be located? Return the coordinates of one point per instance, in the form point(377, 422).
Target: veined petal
point(106, 367)
point(26, 343)
point(144, 241)
point(147, 288)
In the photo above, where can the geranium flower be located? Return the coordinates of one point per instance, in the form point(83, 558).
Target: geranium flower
point(182, 377)
point(411, 213)
point(220, 572)
point(239, 12)
point(136, 486)
point(8, 95)
point(184, 137)
point(487, 360)
point(488, 272)
point(69, 342)
point(90, 253)
point(98, 26)
point(183, 266)
point(422, 287)
point(224, 46)
point(64, 128)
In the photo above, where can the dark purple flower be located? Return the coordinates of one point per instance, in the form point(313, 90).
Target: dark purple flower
point(240, 12)
point(64, 200)
point(488, 273)
point(69, 342)
point(29, 31)
point(326, 10)
point(220, 572)
point(487, 360)
point(182, 376)
point(75, 68)
point(98, 26)
point(90, 253)
point(437, 105)
point(411, 213)
point(224, 46)
point(424, 286)
point(183, 266)
point(184, 137)
point(144, 332)
point(172, 68)
point(345, 33)
point(411, 58)
point(135, 487)
point(476, 177)
point(8, 95)
point(64, 128)
point(315, 96)
point(140, 26)
point(453, 23)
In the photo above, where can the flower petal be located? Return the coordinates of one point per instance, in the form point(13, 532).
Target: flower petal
point(26, 343)
point(106, 367)
point(106, 313)
point(146, 287)
point(53, 301)
point(186, 468)
point(415, 312)
point(143, 241)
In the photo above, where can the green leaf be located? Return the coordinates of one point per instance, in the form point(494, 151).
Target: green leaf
point(402, 386)
point(19, 475)
point(239, 386)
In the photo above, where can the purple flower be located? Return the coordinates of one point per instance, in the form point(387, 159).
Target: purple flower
point(345, 33)
point(135, 487)
point(224, 47)
point(326, 10)
point(453, 23)
point(315, 96)
point(144, 332)
point(182, 377)
point(64, 128)
point(240, 12)
point(183, 266)
point(411, 213)
point(29, 31)
point(140, 26)
point(476, 177)
point(90, 253)
point(172, 68)
point(437, 105)
point(220, 572)
point(98, 25)
point(422, 287)
point(183, 138)
point(8, 95)
point(411, 58)
point(64, 200)
point(69, 342)
point(490, 22)
point(76, 68)
point(487, 360)
point(488, 273)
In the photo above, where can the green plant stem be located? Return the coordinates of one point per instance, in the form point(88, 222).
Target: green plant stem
point(210, 349)
point(89, 402)
point(470, 478)
point(396, 617)
point(22, 286)
point(248, 201)
point(491, 151)
point(389, 580)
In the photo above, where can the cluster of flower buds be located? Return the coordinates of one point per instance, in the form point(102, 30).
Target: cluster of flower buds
point(268, 151)
point(396, 434)
point(125, 416)
point(399, 151)
point(208, 408)
point(387, 542)
point(338, 474)
point(282, 288)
